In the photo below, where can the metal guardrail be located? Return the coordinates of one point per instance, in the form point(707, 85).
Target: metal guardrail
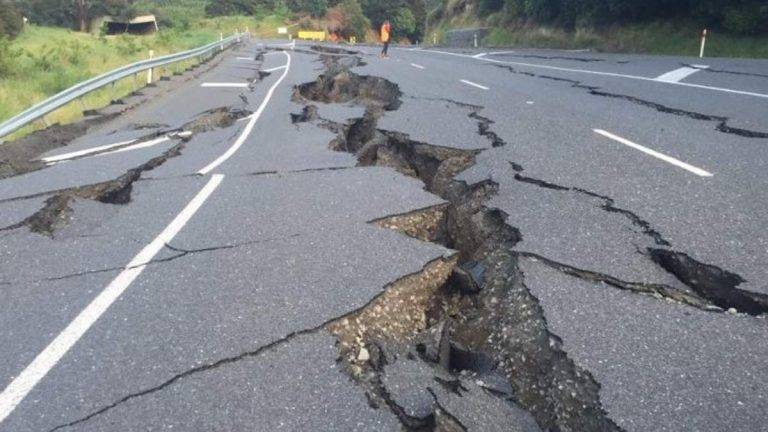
point(466, 38)
point(79, 90)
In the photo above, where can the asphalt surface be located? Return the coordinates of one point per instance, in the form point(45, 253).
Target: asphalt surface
point(220, 327)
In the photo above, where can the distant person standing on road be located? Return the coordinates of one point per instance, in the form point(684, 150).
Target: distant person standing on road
point(386, 35)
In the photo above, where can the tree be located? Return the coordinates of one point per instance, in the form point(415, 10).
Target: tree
point(403, 23)
point(487, 7)
point(238, 7)
point(76, 14)
point(11, 21)
point(355, 22)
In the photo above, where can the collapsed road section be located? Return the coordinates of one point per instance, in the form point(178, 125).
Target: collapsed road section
point(482, 335)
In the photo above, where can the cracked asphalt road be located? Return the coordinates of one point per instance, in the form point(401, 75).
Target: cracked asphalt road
point(224, 282)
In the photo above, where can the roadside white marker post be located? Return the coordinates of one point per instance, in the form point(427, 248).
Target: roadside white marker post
point(434, 39)
point(703, 43)
point(475, 40)
point(149, 71)
point(221, 41)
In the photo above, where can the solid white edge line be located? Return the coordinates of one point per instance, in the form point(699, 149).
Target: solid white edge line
point(477, 56)
point(91, 151)
point(474, 84)
point(417, 66)
point(274, 69)
point(65, 156)
point(610, 74)
point(669, 159)
point(221, 84)
point(246, 58)
point(20, 387)
point(251, 123)
point(137, 146)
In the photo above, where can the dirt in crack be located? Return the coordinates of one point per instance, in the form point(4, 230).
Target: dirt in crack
point(488, 322)
point(340, 85)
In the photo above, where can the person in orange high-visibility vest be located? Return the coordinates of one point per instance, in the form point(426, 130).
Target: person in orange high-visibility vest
point(386, 35)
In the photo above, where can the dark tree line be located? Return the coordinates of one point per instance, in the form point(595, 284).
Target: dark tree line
point(737, 16)
point(11, 20)
point(407, 16)
point(76, 14)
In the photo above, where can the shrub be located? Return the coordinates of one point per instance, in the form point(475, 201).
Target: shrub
point(8, 57)
point(487, 7)
point(403, 23)
point(355, 23)
point(744, 19)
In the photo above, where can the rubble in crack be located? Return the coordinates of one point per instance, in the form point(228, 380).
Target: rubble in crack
point(474, 332)
point(216, 118)
point(424, 224)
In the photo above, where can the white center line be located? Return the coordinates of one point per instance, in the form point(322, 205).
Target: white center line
point(20, 387)
point(251, 123)
point(417, 66)
point(678, 75)
point(222, 84)
point(698, 171)
point(475, 85)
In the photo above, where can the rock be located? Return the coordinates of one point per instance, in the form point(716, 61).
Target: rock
point(434, 345)
point(468, 277)
point(363, 355)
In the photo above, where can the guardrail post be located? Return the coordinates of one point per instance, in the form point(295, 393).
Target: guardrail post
point(149, 71)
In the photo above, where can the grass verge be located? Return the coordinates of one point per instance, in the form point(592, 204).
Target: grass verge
point(43, 61)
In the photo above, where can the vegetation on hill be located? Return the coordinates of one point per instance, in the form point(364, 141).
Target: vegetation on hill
point(737, 28)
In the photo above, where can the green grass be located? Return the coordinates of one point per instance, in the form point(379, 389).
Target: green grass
point(46, 60)
point(653, 38)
